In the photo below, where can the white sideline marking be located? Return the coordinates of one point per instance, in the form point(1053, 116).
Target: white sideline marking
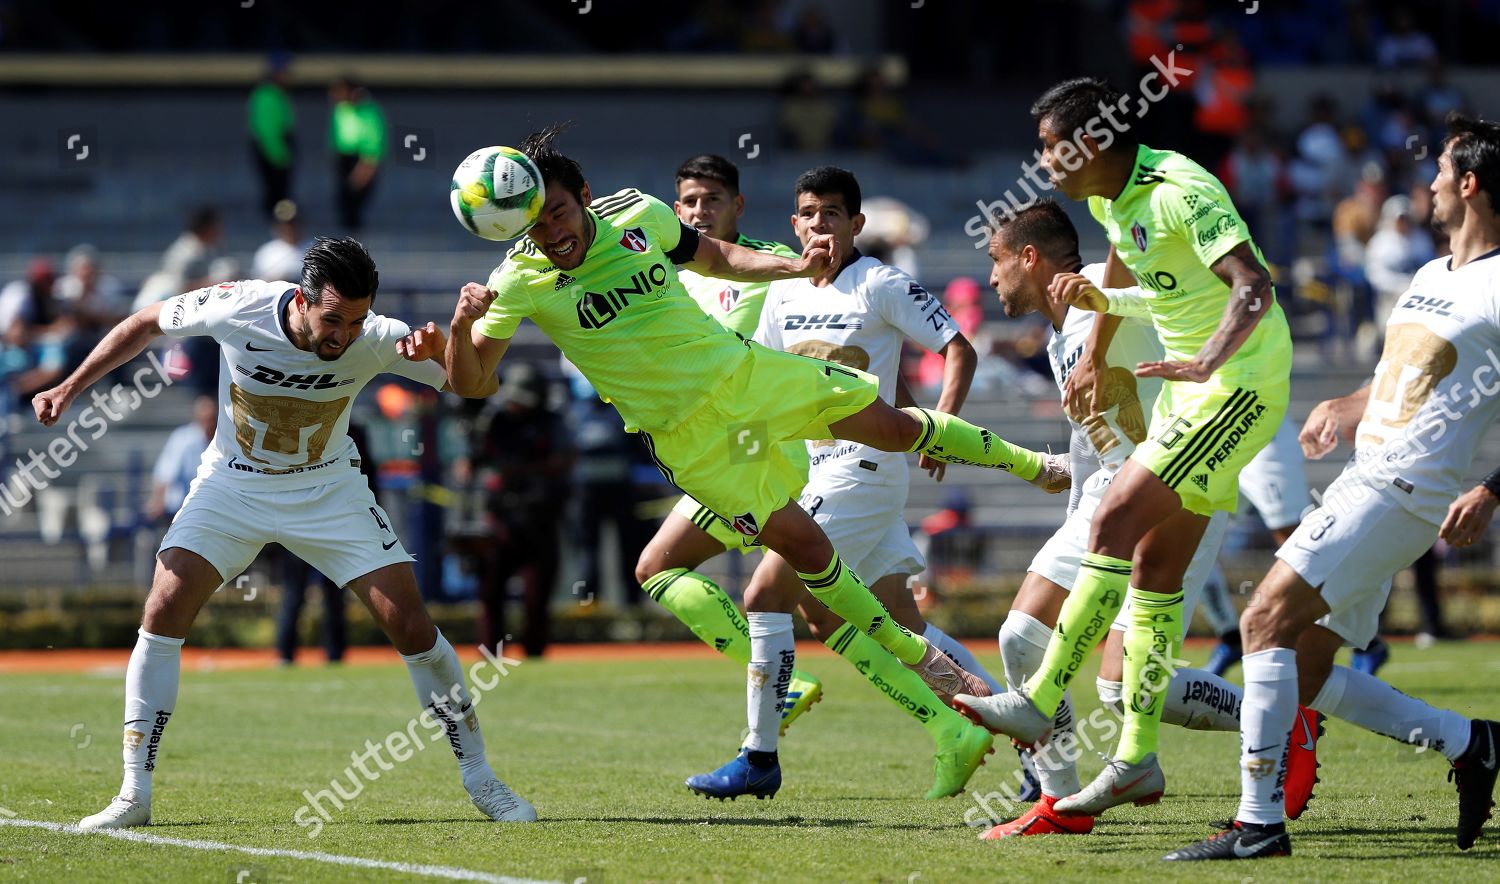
point(429, 871)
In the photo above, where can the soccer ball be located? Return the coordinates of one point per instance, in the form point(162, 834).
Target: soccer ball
point(497, 193)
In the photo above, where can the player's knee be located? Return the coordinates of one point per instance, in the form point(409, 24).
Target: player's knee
point(650, 564)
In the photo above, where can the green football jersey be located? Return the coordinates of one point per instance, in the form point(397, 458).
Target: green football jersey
point(622, 316)
point(1169, 225)
point(736, 305)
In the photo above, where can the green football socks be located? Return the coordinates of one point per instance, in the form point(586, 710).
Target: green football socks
point(900, 685)
point(705, 609)
point(952, 439)
point(1151, 644)
point(845, 595)
point(1098, 593)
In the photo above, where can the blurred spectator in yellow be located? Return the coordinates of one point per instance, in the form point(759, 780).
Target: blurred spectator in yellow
point(808, 117)
point(357, 135)
point(273, 133)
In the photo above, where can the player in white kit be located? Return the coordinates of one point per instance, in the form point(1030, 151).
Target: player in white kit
point(282, 469)
point(1416, 428)
point(1033, 250)
point(860, 318)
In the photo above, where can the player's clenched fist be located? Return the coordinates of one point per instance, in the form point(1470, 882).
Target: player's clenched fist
point(820, 255)
point(50, 405)
point(422, 344)
point(1075, 290)
point(473, 302)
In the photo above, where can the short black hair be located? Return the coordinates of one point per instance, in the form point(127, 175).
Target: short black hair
point(342, 263)
point(1474, 146)
point(550, 161)
point(830, 179)
point(712, 167)
point(1073, 104)
point(1043, 225)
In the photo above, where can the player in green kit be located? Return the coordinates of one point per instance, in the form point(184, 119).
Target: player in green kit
point(709, 201)
point(597, 278)
point(1206, 290)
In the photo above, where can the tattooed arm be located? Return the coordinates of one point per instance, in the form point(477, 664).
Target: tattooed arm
point(1251, 297)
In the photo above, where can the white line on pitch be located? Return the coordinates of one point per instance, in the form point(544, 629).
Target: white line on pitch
point(428, 871)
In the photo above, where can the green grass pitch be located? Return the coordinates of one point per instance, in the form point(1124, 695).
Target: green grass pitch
point(602, 749)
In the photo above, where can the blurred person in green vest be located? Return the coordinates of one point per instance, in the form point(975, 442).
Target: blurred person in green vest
point(357, 136)
point(272, 127)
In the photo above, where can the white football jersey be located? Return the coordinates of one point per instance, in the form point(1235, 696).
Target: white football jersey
point(859, 321)
point(1106, 440)
point(1436, 389)
point(283, 412)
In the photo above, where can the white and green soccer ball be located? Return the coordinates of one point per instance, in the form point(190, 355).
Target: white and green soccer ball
point(497, 193)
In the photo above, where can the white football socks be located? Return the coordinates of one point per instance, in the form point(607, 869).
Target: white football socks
point(150, 699)
point(1372, 704)
point(439, 680)
point(773, 654)
point(1023, 643)
point(1266, 717)
point(961, 655)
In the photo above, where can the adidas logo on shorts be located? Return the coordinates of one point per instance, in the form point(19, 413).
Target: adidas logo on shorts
point(1201, 480)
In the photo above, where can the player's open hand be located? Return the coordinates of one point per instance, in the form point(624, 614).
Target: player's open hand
point(1193, 372)
point(820, 256)
point(422, 344)
point(1323, 429)
point(474, 301)
point(50, 405)
point(934, 468)
point(1469, 517)
point(1075, 290)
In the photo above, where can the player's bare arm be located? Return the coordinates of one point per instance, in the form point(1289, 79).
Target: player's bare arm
point(123, 343)
point(1332, 421)
point(471, 355)
point(723, 260)
point(1251, 298)
point(428, 343)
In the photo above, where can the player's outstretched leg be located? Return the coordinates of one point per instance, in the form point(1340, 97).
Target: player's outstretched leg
point(792, 533)
point(391, 595)
point(1364, 700)
point(951, 439)
point(665, 571)
point(182, 583)
point(1026, 715)
point(959, 747)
